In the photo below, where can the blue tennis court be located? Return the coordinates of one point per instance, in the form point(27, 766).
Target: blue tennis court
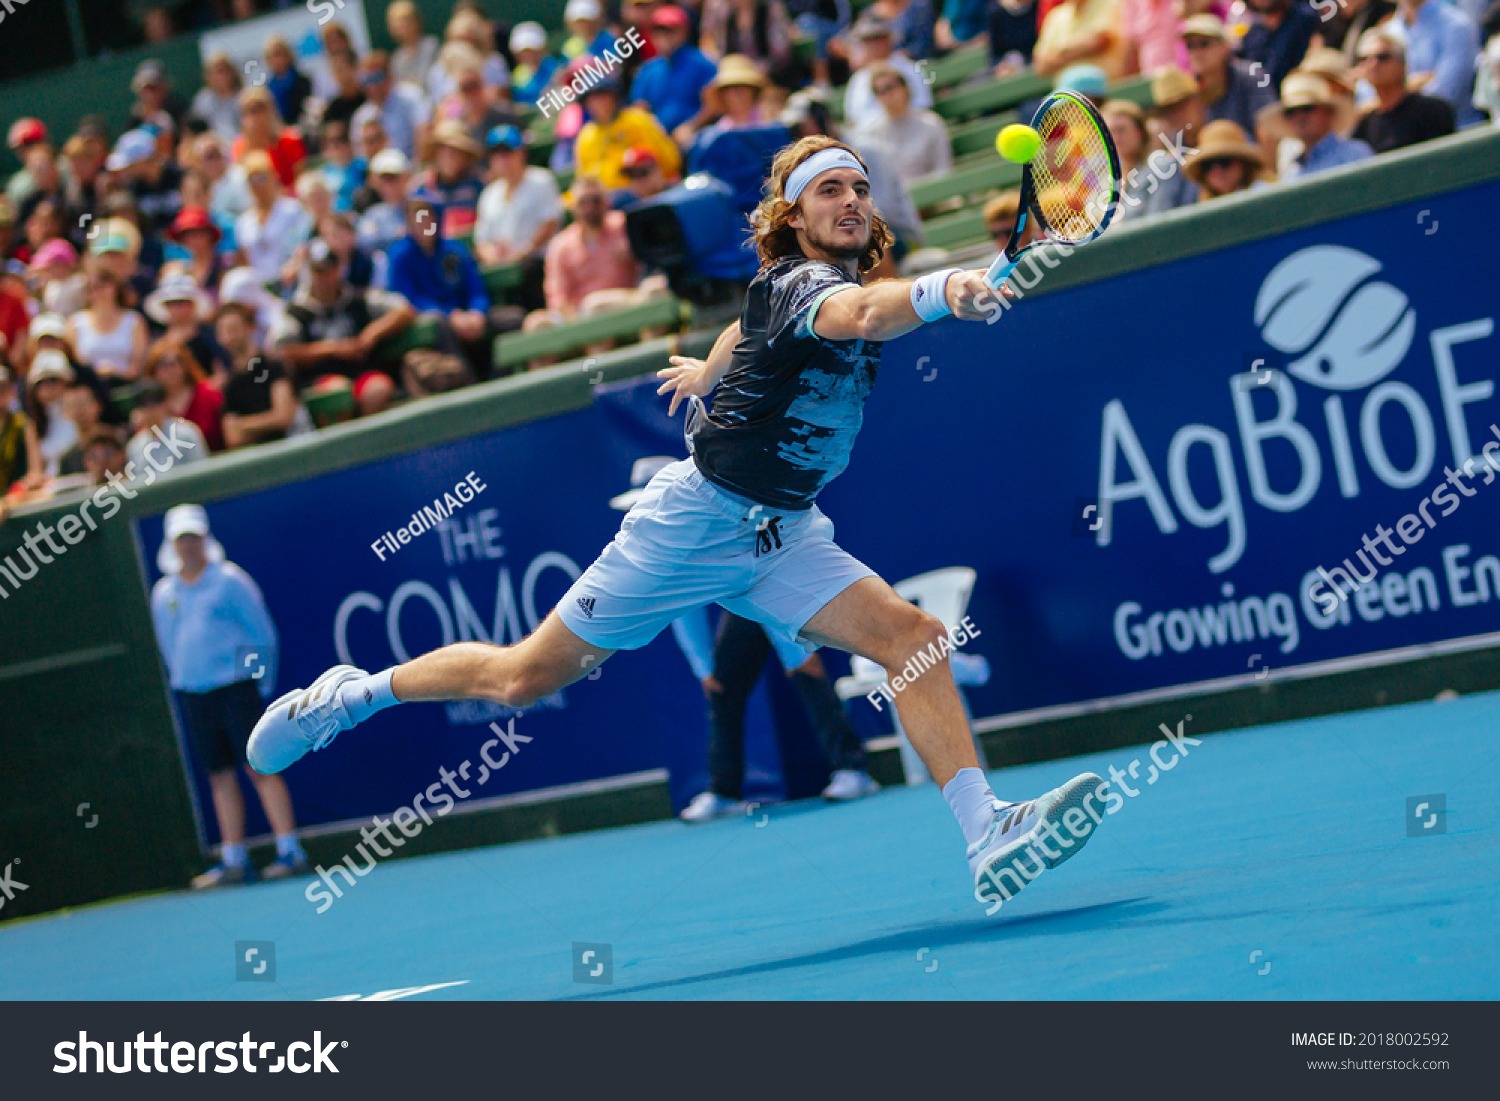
point(1270, 862)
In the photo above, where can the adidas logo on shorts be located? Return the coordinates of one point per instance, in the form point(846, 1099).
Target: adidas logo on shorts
point(587, 604)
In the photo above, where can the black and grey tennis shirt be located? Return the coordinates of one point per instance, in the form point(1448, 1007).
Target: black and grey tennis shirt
point(784, 417)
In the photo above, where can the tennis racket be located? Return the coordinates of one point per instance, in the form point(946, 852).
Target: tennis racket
point(1070, 186)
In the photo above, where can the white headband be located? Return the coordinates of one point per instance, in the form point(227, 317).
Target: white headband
point(816, 165)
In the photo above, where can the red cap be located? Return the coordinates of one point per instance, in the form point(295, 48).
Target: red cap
point(191, 218)
point(637, 155)
point(26, 132)
point(670, 16)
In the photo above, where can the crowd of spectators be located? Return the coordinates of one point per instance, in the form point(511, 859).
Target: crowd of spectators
point(232, 268)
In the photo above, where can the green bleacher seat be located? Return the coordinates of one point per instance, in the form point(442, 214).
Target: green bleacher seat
point(959, 66)
point(421, 333)
point(501, 278)
point(992, 98)
point(978, 136)
point(982, 173)
point(515, 349)
point(963, 227)
point(329, 406)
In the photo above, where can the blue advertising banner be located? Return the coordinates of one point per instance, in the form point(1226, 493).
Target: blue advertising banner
point(1151, 476)
point(529, 512)
point(1148, 472)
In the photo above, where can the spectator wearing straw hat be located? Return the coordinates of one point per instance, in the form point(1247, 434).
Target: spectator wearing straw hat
point(1309, 112)
point(1334, 71)
point(1224, 162)
point(452, 176)
point(1400, 117)
point(671, 84)
point(1178, 110)
point(219, 645)
point(182, 308)
point(732, 100)
point(600, 146)
point(1228, 88)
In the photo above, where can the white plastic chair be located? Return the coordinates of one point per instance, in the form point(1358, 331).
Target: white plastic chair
point(945, 594)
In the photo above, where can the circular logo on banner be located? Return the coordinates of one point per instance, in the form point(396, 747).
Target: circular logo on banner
point(1348, 332)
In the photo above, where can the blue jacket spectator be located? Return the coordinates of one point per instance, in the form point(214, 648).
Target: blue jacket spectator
point(1443, 43)
point(1278, 39)
point(1308, 108)
point(671, 84)
point(430, 271)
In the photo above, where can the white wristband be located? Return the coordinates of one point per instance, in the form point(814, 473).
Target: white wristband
point(929, 295)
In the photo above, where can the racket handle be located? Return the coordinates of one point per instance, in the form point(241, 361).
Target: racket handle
point(999, 271)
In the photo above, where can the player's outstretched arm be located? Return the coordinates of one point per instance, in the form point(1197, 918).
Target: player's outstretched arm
point(689, 377)
point(890, 308)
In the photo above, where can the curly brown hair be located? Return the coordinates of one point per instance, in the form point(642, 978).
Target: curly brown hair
point(775, 239)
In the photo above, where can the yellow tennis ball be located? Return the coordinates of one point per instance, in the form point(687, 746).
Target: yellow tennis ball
point(1018, 143)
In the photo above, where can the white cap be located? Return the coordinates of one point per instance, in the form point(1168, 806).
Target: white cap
point(582, 9)
point(528, 36)
point(49, 363)
point(186, 520)
point(640, 473)
point(389, 162)
point(48, 324)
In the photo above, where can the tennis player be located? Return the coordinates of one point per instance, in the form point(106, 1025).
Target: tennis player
point(736, 522)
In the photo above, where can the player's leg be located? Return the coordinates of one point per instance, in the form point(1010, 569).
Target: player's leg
point(812, 590)
point(869, 618)
point(1010, 844)
point(550, 658)
point(668, 557)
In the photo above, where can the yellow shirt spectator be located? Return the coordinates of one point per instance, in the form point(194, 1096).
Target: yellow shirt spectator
point(1082, 32)
point(600, 149)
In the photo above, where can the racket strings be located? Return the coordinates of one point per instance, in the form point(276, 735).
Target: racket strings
point(1073, 175)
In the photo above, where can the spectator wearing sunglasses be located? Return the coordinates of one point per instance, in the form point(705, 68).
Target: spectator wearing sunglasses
point(519, 212)
point(1400, 118)
point(644, 178)
point(400, 108)
point(1228, 88)
point(1224, 162)
point(916, 141)
point(1308, 110)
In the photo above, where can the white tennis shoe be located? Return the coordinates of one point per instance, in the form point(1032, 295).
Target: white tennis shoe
point(1025, 839)
point(302, 721)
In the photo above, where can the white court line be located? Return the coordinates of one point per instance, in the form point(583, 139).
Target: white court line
point(391, 995)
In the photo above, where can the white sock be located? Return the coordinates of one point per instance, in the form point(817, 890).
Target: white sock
point(288, 845)
point(235, 854)
point(363, 697)
point(972, 801)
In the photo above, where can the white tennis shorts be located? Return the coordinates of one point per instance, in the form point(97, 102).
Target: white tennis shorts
point(686, 543)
